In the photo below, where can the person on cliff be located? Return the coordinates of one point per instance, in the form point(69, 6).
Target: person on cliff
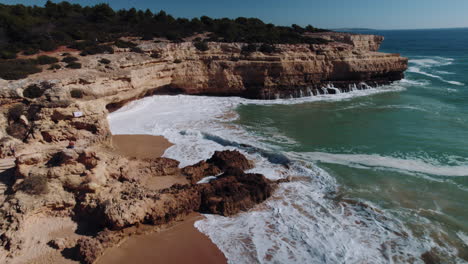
point(71, 145)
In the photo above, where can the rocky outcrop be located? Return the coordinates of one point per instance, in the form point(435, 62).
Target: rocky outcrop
point(219, 162)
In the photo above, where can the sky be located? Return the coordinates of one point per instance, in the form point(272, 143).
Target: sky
point(332, 14)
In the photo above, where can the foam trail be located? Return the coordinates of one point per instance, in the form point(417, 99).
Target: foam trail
point(378, 161)
point(427, 63)
point(417, 70)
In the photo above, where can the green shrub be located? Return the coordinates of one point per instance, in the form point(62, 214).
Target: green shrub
point(17, 130)
point(33, 111)
point(44, 59)
point(98, 49)
point(74, 65)
point(136, 49)
point(48, 45)
point(177, 61)
point(17, 69)
point(91, 48)
point(7, 54)
point(31, 51)
point(267, 48)
point(54, 67)
point(15, 112)
point(249, 48)
point(104, 61)
point(124, 44)
point(35, 185)
point(201, 46)
point(156, 55)
point(33, 91)
point(69, 59)
point(36, 90)
point(76, 93)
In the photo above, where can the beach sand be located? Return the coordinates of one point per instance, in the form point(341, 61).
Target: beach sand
point(140, 146)
point(181, 243)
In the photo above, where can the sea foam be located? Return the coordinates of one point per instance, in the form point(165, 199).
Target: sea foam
point(423, 65)
point(301, 223)
point(382, 162)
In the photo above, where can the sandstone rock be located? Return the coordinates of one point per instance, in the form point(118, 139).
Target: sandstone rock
point(89, 249)
point(230, 159)
point(31, 159)
point(234, 191)
point(60, 243)
point(164, 166)
point(200, 170)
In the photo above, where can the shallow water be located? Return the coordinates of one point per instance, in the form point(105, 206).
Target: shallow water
point(382, 173)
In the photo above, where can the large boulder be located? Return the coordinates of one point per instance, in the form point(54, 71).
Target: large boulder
point(234, 191)
point(230, 159)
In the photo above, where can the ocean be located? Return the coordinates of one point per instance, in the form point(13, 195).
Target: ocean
point(379, 175)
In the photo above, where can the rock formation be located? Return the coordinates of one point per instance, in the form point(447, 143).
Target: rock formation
point(93, 184)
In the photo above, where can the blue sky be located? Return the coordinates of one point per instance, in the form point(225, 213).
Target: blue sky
point(380, 14)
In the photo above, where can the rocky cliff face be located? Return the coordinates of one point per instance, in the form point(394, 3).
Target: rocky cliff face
point(347, 61)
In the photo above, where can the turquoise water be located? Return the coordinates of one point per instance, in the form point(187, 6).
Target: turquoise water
point(404, 152)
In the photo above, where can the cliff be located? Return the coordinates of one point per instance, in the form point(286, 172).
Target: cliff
point(93, 184)
point(224, 69)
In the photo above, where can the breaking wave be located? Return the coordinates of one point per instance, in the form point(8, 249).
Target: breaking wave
point(382, 162)
point(305, 221)
point(424, 67)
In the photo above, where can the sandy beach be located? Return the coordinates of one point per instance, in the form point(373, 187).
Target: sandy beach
point(181, 243)
point(140, 146)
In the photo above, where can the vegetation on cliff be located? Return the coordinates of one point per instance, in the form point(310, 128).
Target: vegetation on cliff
point(30, 29)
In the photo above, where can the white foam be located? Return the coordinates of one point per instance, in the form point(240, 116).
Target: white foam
point(444, 72)
point(299, 224)
point(415, 82)
point(186, 120)
point(420, 66)
point(432, 61)
point(379, 162)
point(419, 71)
point(463, 237)
point(409, 107)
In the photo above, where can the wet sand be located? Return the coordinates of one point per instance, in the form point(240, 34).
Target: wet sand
point(179, 244)
point(140, 146)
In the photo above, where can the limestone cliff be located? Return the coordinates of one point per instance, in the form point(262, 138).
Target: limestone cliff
point(224, 69)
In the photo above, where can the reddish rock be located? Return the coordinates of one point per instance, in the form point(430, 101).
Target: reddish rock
point(164, 166)
point(200, 170)
point(230, 158)
point(234, 191)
